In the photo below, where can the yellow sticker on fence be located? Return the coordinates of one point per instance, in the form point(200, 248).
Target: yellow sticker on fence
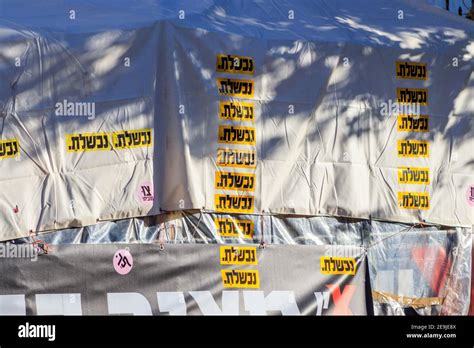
point(236, 158)
point(413, 175)
point(9, 148)
point(235, 181)
point(413, 148)
point(338, 265)
point(132, 139)
point(234, 203)
point(246, 279)
point(237, 135)
point(411, 71)
point(84, 142)
point(411, 123)
point(228, 227)
point(412, 96)
point(237, 111)
point(414, 200)
point(237, 255)
point(235, 87)
point(235, 64)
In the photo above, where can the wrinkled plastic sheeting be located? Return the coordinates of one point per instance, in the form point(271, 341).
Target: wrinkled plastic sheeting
point(424, 270)
point(197, 227)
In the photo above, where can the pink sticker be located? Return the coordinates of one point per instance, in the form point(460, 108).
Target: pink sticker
point(123, 261)
point(470, 195)
point(145, 193)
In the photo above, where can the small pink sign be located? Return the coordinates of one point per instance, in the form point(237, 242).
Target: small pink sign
point(145, 193)
point(123, 261)
point(470, 195)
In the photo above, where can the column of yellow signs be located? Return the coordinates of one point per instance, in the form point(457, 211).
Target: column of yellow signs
point(235, 179)
point(410, 126)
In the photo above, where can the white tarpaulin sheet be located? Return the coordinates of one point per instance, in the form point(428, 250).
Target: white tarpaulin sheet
point(130, 108)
